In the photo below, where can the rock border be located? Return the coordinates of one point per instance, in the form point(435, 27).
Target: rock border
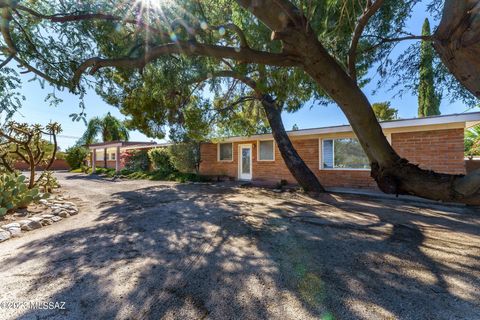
point(57, 209)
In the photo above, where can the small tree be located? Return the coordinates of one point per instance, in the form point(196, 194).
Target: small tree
point(185, 156)
point(22, 141)
point(384, 112)
point(75, 156)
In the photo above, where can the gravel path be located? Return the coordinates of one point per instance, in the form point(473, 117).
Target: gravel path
point(156, 250)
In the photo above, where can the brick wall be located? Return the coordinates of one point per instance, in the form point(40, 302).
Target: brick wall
point(58, 164)
point(440, 150)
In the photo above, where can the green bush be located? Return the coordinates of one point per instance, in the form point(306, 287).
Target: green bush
point(75, 156)
point(15, 194)
point(137, 160)
point(185, 157)
point(160, 160)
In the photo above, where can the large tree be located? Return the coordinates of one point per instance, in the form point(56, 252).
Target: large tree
point(384, 112)
point(428, 98)
point(333, 42)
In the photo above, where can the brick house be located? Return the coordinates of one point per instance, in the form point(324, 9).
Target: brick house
point(335, 155)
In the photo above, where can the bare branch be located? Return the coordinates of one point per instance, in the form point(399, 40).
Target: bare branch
point(399, 39)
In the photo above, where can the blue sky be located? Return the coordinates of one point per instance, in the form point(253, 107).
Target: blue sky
point(36, 110)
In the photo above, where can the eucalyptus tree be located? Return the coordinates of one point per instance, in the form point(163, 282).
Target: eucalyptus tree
point(331, 42)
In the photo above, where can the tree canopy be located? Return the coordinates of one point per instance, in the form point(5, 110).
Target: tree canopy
point(277, 52)
point(384, 112)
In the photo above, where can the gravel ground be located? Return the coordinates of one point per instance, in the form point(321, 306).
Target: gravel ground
point(157, 250)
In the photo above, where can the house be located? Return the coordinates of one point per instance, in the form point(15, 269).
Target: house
point(335, 155)
point(113, 152)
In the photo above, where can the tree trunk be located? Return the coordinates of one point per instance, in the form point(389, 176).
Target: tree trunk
point(392, 173)
point(297, 167)
point(457, 42)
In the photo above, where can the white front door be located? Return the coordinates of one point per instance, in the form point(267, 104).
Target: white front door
point(245, 162)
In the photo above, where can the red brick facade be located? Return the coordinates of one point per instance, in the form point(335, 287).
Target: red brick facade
point(439, 150)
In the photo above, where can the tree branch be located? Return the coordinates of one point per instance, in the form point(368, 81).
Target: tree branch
point(362, 22)
point(190, 49)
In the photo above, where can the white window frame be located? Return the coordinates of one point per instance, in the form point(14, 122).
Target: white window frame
point(112, 156)
point(258, 150)
point(320, 142)
point(218, 152)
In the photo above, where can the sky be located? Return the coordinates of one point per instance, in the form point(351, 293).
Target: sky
point(36, 110)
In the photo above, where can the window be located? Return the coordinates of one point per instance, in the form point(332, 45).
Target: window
point(344, 153)
point(112, 156)
point(266, 151)
point(225, 152)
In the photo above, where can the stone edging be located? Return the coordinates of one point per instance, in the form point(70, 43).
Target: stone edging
point(56, 209)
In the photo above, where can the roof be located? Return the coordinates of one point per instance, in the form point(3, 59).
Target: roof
point(469, 119)
point(127, 145)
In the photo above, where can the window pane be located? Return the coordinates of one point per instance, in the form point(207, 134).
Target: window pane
point(327, 154)
point(226, 151)
point(348, 153)
point(266, 150)
point(246, 161)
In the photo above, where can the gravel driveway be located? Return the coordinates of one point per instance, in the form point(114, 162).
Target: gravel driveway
point(157, 250)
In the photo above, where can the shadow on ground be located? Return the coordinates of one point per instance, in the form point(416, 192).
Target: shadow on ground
point(212, 251)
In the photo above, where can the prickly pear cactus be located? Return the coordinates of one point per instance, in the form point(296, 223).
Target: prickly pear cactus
point(15, 194)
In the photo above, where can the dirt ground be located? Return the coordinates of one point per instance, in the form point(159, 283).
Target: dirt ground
point(153, 250)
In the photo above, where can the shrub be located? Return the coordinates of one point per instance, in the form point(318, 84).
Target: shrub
point(185, 157)
point(75, 156)
point(137, 160)
point(160, 160)
point(15, 193)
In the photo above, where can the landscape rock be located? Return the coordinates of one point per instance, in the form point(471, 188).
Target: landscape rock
point(63, 214)
point(56, 218)
point(15, 231)
point(4, 235)
point(11, 225)
point(38, 219)
point(46, 222)
point(47, 216)
point(31, 225)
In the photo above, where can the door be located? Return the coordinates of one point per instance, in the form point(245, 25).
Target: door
point(245, 162)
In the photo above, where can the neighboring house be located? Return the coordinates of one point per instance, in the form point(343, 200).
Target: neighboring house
point(335, 155)
point(115, 150)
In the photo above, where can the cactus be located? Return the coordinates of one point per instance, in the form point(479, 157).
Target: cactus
point(48, 182)
point(15, 193)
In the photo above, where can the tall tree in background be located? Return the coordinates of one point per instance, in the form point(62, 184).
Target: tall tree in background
point(384, 112)
point(109, 128)
point(428, 99)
